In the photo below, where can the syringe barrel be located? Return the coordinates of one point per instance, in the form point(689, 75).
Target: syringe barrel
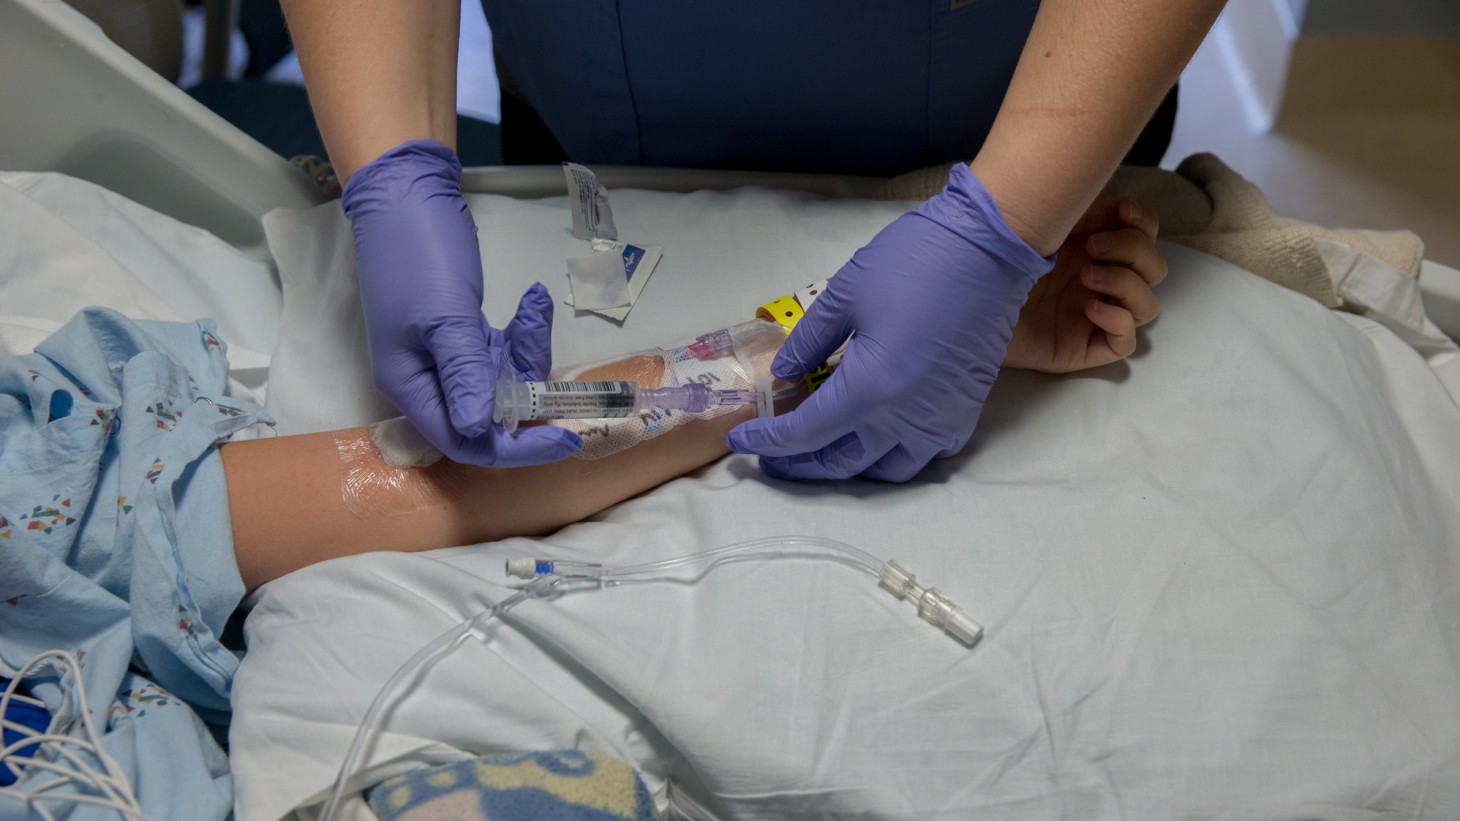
point(518, 402)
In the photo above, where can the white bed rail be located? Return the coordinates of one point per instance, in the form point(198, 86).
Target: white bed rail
point(1440, 287)
point(76, 103)
point(536, 181)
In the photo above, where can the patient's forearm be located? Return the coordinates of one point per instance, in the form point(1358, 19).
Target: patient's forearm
point(297, 500)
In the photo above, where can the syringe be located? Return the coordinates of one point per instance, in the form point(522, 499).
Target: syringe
point(603, 399)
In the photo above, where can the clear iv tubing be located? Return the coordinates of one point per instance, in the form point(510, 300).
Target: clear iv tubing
point(860, 558)
point(932, 606)
point(441, 646)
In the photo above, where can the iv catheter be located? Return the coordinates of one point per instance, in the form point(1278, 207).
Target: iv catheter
point(933, 605)
point(603, 399)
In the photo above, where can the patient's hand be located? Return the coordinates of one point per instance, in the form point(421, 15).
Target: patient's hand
point(1084, 313)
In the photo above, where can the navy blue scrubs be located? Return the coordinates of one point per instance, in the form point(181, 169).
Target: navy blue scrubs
point(850, 86)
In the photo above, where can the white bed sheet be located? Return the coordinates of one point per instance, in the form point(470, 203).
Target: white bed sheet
point(1222, 578)
point(66, 244)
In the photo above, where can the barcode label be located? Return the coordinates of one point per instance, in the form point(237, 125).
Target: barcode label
point(599, 399)
point(604, 386)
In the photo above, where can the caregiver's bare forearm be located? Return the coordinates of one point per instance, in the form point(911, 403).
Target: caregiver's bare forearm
point(1090, 77)
point(379, 72)
point(298, 500)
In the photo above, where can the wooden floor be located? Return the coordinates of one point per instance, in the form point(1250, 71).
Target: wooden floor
point(1368, 135)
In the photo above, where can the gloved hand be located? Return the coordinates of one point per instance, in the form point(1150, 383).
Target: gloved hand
point(432, 352)
point(930, 304)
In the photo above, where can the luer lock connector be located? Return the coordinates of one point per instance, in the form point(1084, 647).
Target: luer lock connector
point(933, 605)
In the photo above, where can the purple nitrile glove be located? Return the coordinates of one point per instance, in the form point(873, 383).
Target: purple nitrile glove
point(432, 352)
point(930, 304)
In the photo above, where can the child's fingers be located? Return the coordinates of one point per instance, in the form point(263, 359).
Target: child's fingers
point(1120, 331)
point(1102, 215)
point(1129, 290)
point(1140, 216)
point(1112, 213)
point(1129, 247)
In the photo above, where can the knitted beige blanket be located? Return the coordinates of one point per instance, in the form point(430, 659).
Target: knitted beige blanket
point(1207, 206)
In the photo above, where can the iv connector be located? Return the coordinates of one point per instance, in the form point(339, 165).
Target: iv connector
point(529, 568)
point(933, 605)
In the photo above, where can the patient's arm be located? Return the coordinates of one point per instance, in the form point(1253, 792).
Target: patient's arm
point(297, 500)
point(1084, 313)
point(293, 503)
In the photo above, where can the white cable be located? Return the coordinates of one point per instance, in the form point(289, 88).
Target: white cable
point(34, 702)
point(121, 791)
point(116, 792)
point(79, 798)
point(81, 771)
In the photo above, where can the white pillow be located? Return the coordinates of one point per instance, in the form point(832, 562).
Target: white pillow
point(1221, 578)
point(66, 244)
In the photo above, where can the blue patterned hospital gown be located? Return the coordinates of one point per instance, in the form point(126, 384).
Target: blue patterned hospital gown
point(115, 546)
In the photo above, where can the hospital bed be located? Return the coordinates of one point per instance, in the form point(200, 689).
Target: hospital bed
point(1222, 578)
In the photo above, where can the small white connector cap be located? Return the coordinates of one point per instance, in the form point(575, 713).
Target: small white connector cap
point(936, 608)
point(961, 626)
point(522, 568)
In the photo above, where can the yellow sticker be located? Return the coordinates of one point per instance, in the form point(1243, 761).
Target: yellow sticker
point(784, 310)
